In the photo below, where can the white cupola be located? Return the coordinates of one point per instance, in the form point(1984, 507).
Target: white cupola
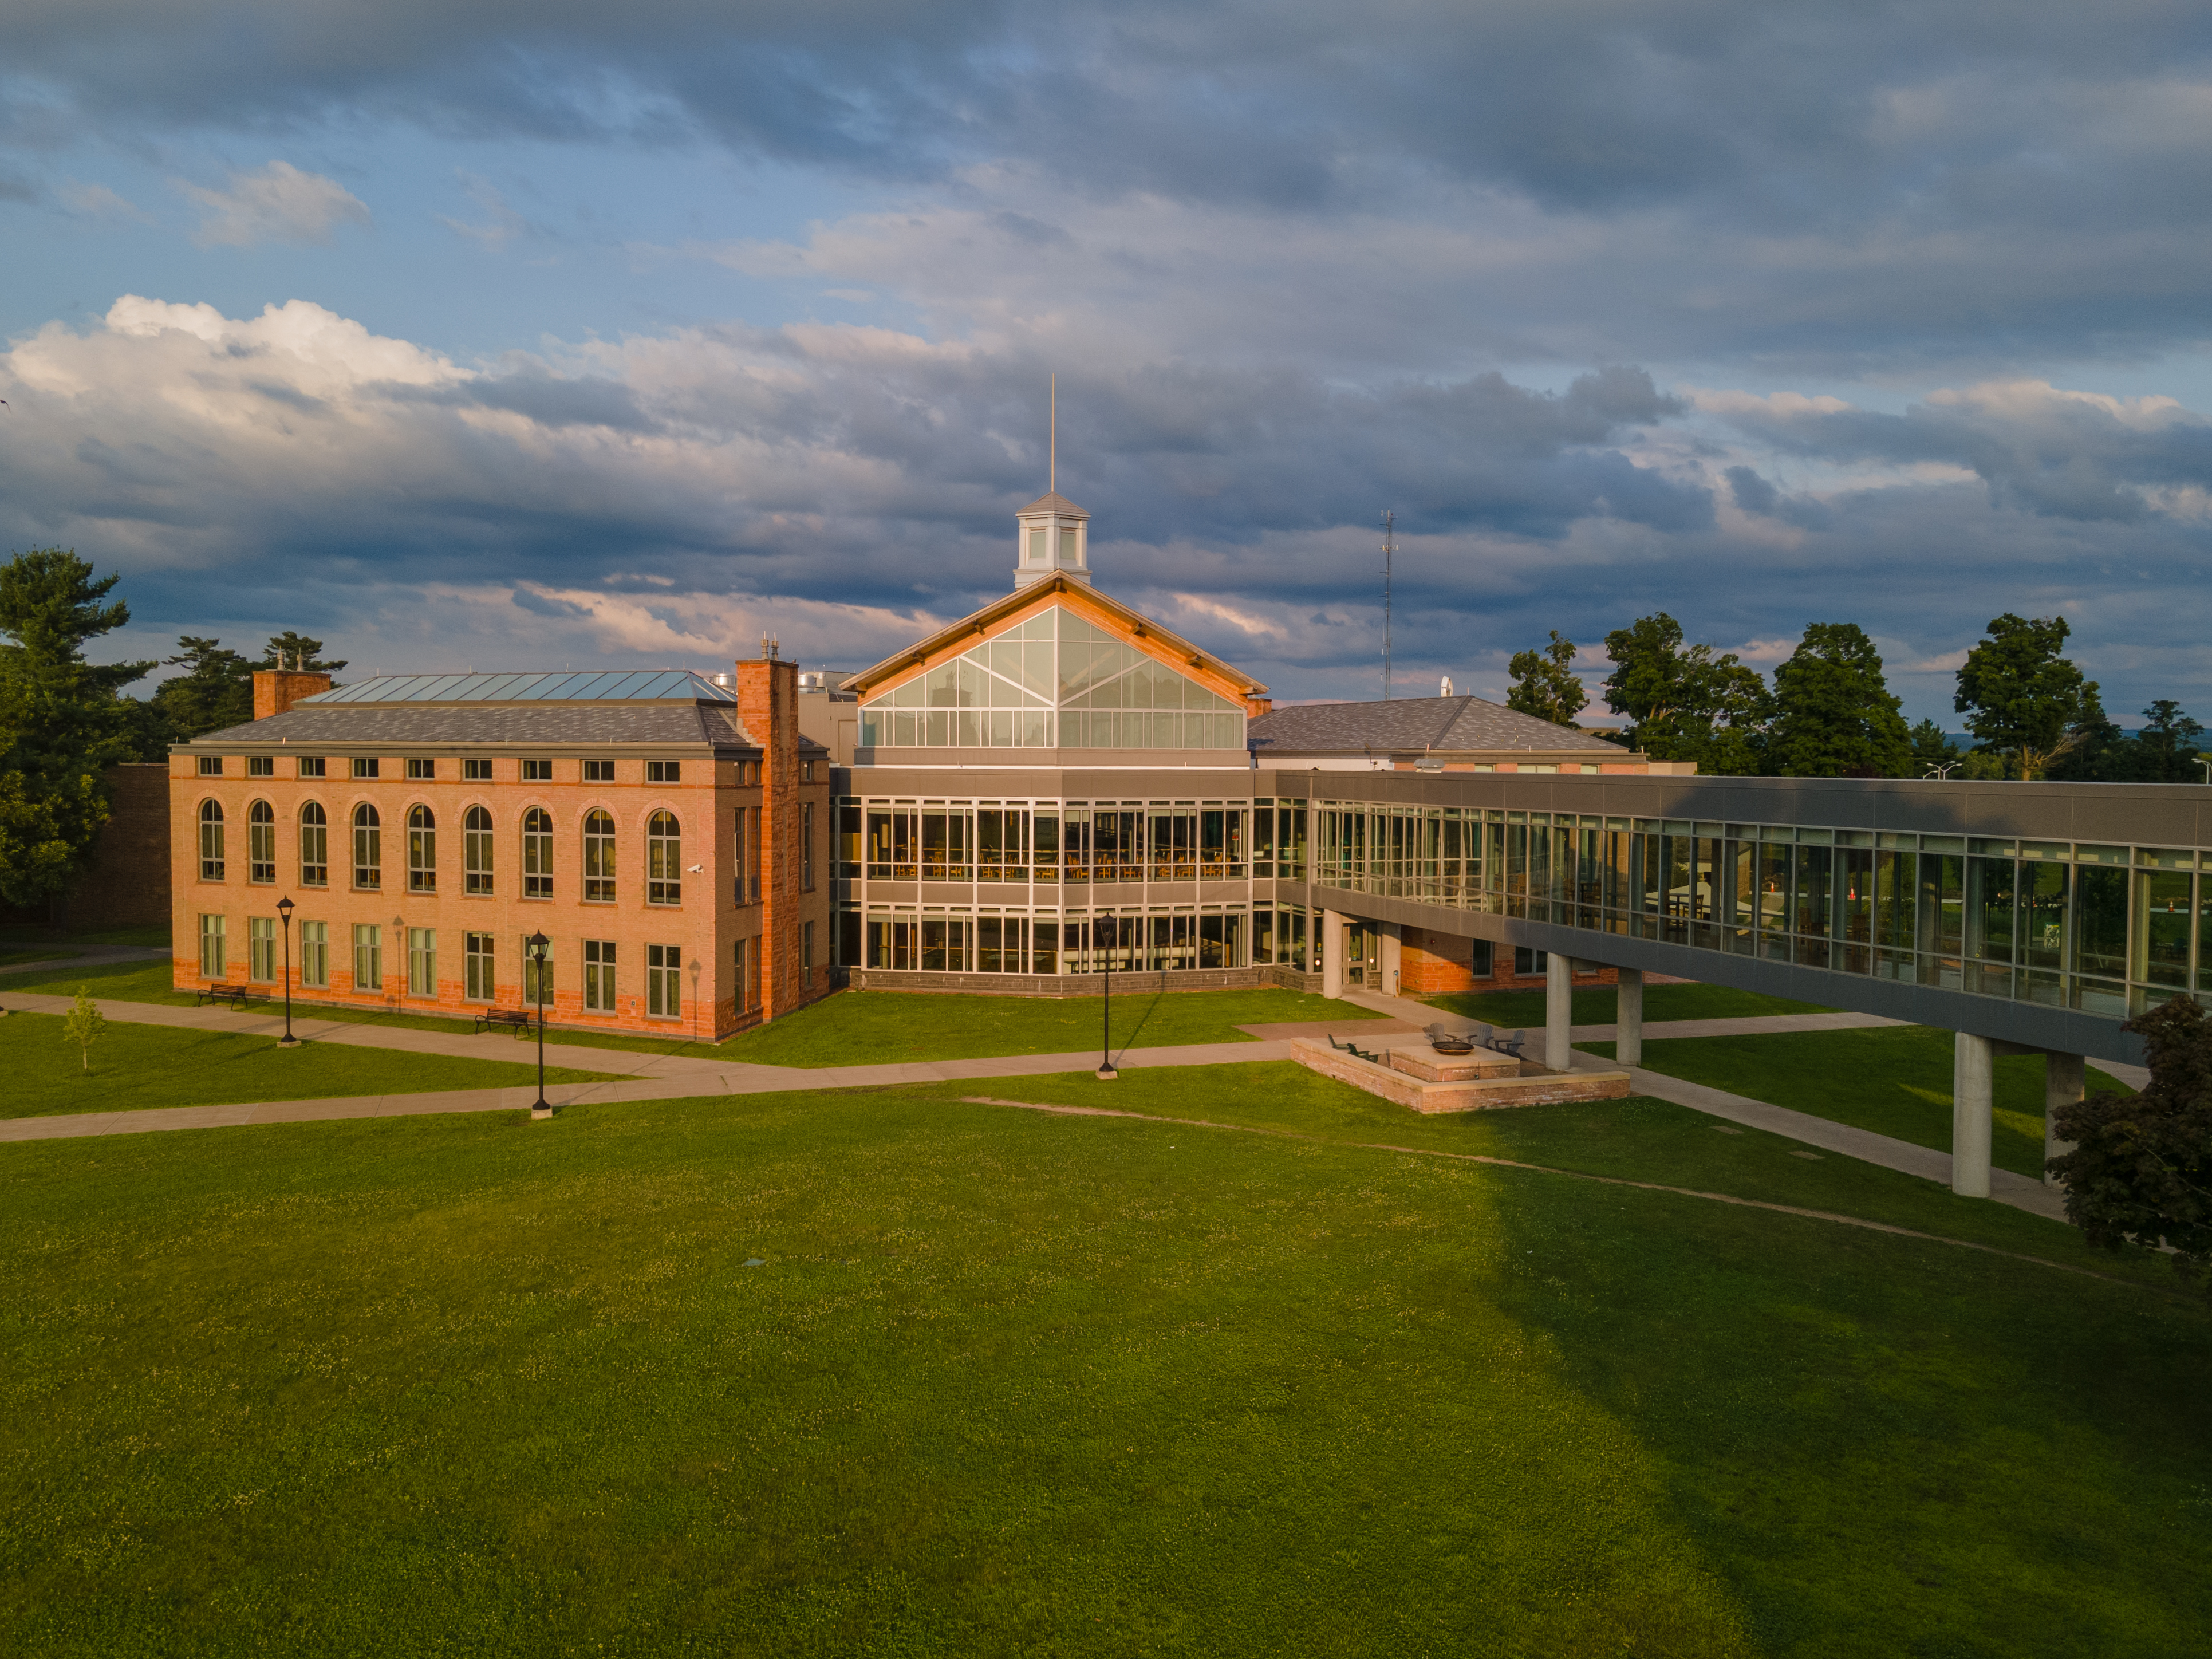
point(1054, 538)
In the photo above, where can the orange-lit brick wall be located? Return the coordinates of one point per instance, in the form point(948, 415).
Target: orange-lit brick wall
point(1440, 964)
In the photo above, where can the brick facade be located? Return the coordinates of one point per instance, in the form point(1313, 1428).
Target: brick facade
point(1442, 964)
point(713, 908)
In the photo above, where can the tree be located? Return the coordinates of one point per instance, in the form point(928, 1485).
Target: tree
point(1685, 703)
point(300, 651)
point(2140, 1169)
point(62, 719)
point(216, 690)
point(2166, 748)
point(1833, 715)
point(83, 1025)
point(2022, 698)
point(1931, 746)
point(1544, 686)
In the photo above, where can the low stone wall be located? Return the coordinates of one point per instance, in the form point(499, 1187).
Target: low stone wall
point(1057, 985)
point(1534, 1086)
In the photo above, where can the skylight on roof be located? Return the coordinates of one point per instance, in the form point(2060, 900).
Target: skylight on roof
point(590, 685)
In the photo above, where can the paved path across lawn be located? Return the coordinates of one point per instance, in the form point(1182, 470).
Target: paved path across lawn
point(91, 956)
point(2021, 1192)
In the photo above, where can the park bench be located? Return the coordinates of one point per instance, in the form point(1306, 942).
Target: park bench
point(236, 995)
point(514, 1019)
point(1449, 1043)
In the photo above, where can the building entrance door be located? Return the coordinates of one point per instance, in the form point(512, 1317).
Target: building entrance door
point(1363, 956)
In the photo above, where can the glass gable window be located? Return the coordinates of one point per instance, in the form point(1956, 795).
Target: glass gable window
point(1054, 680)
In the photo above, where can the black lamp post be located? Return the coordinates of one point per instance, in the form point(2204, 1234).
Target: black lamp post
point(542, 1108)
point(285, 913)
point(1106, 1071)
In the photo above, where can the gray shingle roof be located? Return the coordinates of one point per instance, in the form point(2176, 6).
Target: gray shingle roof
point(1055, 502)
point(391, 726)
point(1451, 725)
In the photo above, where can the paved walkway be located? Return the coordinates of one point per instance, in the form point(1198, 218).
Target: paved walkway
point(667, 1076)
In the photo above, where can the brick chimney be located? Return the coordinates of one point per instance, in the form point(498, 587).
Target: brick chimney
point(768, 707)
point(276, 689)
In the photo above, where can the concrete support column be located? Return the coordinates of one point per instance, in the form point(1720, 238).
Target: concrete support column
point(1628, 1018)
point(1558, 1011)
point(1971, 1063)
point(1331, 945)
point(2063, 1086)
point(1393, 937)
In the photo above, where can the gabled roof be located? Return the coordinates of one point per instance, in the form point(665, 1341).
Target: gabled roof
point(1055, 502)
point(1415, 725)
point(1056, 588)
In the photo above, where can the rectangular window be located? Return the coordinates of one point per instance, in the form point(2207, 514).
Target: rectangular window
point(599, 975)
point(422, 851)
point(1482, 960)
point(537, 977)
point(315, 954)
point(364, 766)
point(210, 766)
point(536, 854)
point(663, 771)
point(748, 976)
point(807, 954)
point(211, 947)
point(475, 851)
point(367, 956)
point(311, 766)
point(807, 847)
point(314, 847)
point(261, 843)
point(478, 986)
point(664, 982)
point(806, 771)
point(1526, 961)
point(421, 961)
point(477, 771)
point(598, 771)
point(368, 849)
point(419, 765)
point(537, 771)
point(261, 766)
point(261, 947)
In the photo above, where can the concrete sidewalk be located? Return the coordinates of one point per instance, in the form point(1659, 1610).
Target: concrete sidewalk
point(728, 1080)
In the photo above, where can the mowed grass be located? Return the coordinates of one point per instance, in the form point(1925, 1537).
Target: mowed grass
point(1894, 1079)
point(38, 953)
point(865, 1028)
point(1007, 1382)
point(1596, 1004)
point(137, 1067)
point(852, 1028)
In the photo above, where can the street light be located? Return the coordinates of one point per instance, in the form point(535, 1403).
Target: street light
point(1940, 771)
point(538, 943)
point(1106, 1071)
point(284, 911)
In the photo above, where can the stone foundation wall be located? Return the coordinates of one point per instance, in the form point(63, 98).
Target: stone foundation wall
point(1534, 1087)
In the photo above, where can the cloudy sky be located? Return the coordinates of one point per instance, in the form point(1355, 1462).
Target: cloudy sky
point(480, 333)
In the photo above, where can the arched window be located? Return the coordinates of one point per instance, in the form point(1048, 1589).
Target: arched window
point(475, 850)
point(664, 860)
point(211, 841)
point(368, 847)
point(538, 854)
point(598, 858)
point(421, 850)
point(314, 848)
point(261, 843)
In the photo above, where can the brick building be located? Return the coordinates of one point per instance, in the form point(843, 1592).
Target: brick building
point(665, 832)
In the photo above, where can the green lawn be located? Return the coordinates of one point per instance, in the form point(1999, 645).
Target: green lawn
point(1595, 1004)
point(38, 953)
point(149, 934)
point(1008, 1382)
point(137, 1066)
point(868, 1028)
point(1894, 1079)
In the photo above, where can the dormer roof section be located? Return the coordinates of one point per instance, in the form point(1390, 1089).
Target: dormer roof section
point(1055, 504)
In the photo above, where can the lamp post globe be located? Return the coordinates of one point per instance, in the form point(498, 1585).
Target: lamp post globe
point(284, 908)
point(538, 945)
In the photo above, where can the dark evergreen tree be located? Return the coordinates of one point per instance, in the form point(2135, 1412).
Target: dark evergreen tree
point(1685, 702)
point(1931, 748)
point(1833, 715)
point(1544, 685)
point(61, 718)
point(216, 690)
point(300, 651)
point(2023, 700)
point(2140, 1169)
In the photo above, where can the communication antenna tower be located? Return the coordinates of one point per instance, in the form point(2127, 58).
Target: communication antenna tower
point(1052, 446)
point(1390, 550)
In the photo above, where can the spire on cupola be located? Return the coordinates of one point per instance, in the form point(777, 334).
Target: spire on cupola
point(1054, 533)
